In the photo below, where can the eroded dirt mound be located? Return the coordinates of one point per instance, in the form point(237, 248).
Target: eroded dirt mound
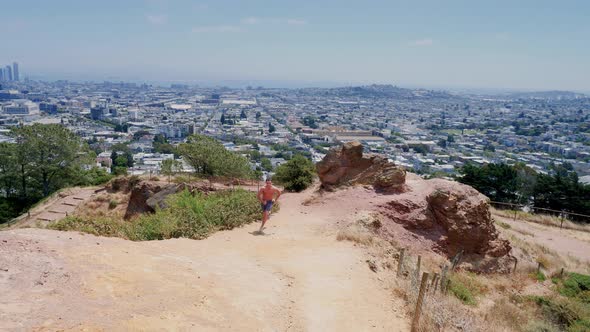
point(140, 194)
point(456, 217)
point(147, 196)
point(347, 166)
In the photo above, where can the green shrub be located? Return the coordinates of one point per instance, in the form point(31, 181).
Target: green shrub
point(113, 204)
point(466, 287)
point(566, 312)
point(295, 175)
point(188, 216)
point(539, 276)
point(577, 286)
point(102, 226)
point(460, 291)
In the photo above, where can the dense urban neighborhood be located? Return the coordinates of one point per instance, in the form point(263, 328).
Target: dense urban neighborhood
point(429, 132)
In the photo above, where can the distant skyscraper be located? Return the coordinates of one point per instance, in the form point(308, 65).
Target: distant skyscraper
point(8, 73)
point(1, 74)
point(15, 71)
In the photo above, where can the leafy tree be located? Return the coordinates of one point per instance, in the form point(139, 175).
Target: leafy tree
point(170, 167)
point(271, 128)
point(255, 155)
point(497, 181)
point(210, 158)
point(258, 115)
point(266, 164)
point(51, 149)
point(243, 115)
point(122, 128)
point(310, 121)
point(295, 175)
point(562, 191)
point(8, 169)
point(222, 118)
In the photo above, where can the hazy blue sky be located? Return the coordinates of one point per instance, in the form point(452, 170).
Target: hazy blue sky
point(446, 43)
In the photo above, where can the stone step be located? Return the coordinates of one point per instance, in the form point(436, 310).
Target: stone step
point(62, 208)
point(50, 216)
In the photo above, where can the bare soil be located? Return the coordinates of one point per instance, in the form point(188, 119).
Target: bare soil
point(563, 241)
point(295, 277)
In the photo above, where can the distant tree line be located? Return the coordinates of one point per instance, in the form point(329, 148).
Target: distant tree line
point(519, 184)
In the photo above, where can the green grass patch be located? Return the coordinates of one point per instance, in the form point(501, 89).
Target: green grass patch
point(539, 276)
point(570, 314)
point(575, 285)
point(466, 287)
point(188, 216)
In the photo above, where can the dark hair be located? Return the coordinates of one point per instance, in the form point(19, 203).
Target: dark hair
point(268, 179)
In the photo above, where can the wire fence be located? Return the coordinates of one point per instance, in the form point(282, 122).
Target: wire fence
point(426, 293)
point(563, 215)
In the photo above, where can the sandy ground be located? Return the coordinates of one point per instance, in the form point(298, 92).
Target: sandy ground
point(563, 241)
point(296, 277)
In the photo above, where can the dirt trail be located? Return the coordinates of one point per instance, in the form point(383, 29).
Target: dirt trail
point(297, 277)
point(563, 241)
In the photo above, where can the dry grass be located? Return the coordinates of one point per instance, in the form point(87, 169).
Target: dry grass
point(355, 233)
point(104, 205)
point(543, 219)
point(551, 260)
point(523, 232)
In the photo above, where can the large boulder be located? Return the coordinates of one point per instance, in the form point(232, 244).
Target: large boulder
point(457, 218)
point(346, 165)
point(140, 193)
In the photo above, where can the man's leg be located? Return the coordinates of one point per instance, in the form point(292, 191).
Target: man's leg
point(264, 219)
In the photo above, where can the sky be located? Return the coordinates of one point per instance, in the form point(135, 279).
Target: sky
point(517, 44)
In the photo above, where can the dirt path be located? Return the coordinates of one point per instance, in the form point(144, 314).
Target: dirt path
point(297, 277)
point(563, 241)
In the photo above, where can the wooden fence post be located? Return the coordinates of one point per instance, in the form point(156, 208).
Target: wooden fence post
point(456, 260)
point(400, 263)
point(418, 311)
point(562, 215)
point(443, 278)
point(418, 266)
point(515, 262)
point(433, 283)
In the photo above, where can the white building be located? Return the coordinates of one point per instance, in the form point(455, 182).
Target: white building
point(21, 107)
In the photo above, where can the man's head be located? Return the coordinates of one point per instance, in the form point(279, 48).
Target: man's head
point(268, 182)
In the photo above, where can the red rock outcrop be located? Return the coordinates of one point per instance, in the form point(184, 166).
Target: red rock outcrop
point(347, 166)
point(456, 217)
point(452, 216)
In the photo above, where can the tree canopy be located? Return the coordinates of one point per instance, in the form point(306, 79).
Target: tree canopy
point(558, 190)
point(210, 158)
point(295, 175)
point(43, 159)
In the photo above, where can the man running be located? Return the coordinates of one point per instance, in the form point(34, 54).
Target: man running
point(266, 196)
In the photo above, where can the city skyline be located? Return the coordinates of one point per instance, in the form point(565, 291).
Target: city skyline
point(532, 45)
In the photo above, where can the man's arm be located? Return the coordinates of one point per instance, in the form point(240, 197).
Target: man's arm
point(278, 192)
point(260, 196)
